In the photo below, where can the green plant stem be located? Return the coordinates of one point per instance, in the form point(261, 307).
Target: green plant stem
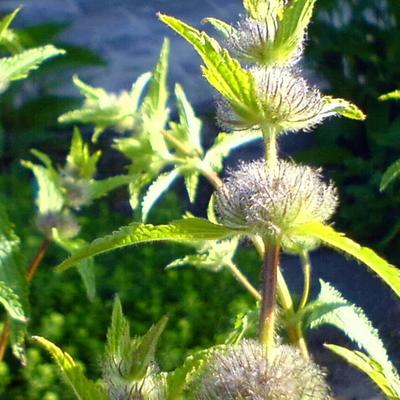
point(30, 272)
point(271, 149)
point(177, 144)
point(268, 302)
point(242, 279)
point(306, 264)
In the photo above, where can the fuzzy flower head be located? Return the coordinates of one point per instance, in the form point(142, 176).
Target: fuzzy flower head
point(271, 201)
point(287, 103)
point(255, 41)
point(243, 372)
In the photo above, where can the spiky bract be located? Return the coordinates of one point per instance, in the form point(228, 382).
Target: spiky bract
point(243, 372)
point(287, 103)
point(270, 201)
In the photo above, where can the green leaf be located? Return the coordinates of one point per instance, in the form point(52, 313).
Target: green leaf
point(291, 30)
point(145, 352)
point(181, 378)
point(222, 27)
point(185, 230)
point(395, 95)
point(389, 273)
point(211, 255)
point(19, 66)
point(12, 303)
point(260, 9)
point(6, 21)
point(224, 144)
point(50, 198)
point(342, 107)
point(100, 188)
point(390, 175)
point(190, 124)
point(12, 276)
point(79, 159)
point(8, 38)
point(222, 71)
point(156, 189)
point(331, 308)
point(370, 367)
point(191, 183)
point(83, 388)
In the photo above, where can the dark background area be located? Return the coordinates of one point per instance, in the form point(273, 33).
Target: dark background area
point(353, 51)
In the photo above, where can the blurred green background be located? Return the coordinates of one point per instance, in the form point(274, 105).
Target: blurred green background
point(353, 52)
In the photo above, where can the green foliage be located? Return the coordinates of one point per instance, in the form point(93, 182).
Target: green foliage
point(14, 288)
point(18, 67)
point(223, 72)
point(370, 367)
point(390, 175)
point(83, 388)
point(185, 230)
point(331, 308)
point(387, 272)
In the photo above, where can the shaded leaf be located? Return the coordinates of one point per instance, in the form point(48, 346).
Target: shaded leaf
point(390, 175)
point(11, 303)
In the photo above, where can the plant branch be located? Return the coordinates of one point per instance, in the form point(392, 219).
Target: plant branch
point(268, 302)
point(271, 150)
point(242, 279)
point(306, 264)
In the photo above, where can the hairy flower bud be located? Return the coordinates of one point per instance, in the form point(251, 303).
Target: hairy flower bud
point(243, 372)
point(287, 103)
point(65, 223)
point(270, 201)
point(254, 41)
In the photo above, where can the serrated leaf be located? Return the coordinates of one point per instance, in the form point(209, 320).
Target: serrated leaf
point(222, 71)
point(156, 189)
point(18, 67)
point(224, 144)
point(145, 352)
point(211, 255)
point(387, 272)
point(191, 183)
point(12, 303)
point(395, 95)
point(370, 367)
point(138, 88)
point(154, 111)
point(99, 188)
point(390, 175)
point(85, 268)
point(185, 230)
point(50, 198)
point(118, 334)
point(259, 9)
point(291, 30)
point(181, 378)
point(79, 159)
point(331, 308)
point(222, 27)
point(6, 21)
point(342, 107)
point(188, 120)
point(12, 274)
point(83, 388)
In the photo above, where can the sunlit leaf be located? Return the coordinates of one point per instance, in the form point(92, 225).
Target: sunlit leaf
point(389, 273)
point(186, 230)
point(342, 107)
point(395, 95)
point(82, 387)
point(222, 27)
point(370, 367)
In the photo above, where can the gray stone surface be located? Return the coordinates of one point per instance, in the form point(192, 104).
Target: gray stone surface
point(128, 35)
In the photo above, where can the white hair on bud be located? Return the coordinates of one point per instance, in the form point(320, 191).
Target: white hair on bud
point(271, 200)
point(243, 372)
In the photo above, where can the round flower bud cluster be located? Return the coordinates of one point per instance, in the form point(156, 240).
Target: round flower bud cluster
point(287, 103)
point(271, 201)
point(66, 224)
point(243, 372)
